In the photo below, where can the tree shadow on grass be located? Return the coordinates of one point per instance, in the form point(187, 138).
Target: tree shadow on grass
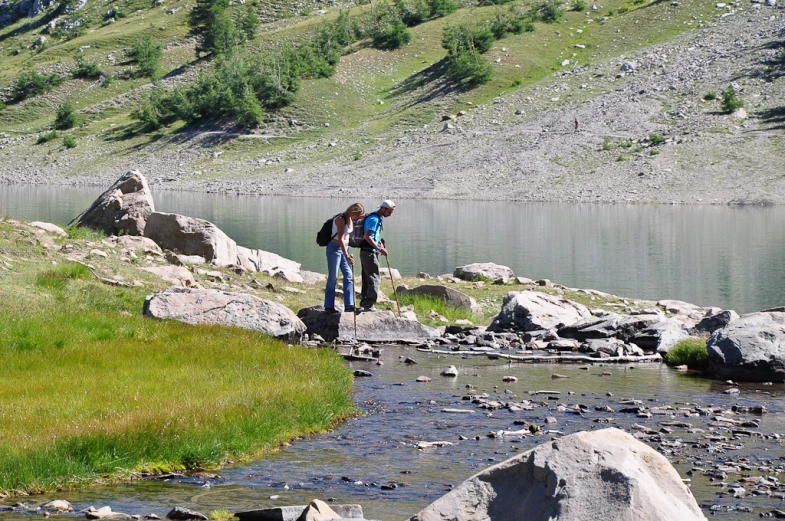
point(426, 85)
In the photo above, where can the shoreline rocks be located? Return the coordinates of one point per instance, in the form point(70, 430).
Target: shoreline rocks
point(751, 348)
point(123, 209)
point(374, 326)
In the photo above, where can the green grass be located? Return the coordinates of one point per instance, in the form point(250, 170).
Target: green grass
point(690, 352)
point(91, 390)
point(83, 233)
point(424, 304)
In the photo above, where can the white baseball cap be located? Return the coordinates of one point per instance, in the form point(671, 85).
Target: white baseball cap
point(387, 204)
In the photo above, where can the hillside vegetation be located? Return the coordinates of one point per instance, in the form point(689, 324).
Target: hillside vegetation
point(375, 110)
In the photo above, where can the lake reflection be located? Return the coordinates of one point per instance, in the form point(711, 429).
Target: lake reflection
point(708, 255)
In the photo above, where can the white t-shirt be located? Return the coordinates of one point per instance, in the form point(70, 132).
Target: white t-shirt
point(347, 230)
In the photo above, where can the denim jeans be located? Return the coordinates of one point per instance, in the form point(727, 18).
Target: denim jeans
point(335, 258)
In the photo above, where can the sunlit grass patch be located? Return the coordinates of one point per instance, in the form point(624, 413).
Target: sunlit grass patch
point(691, 352)
point(424, 304)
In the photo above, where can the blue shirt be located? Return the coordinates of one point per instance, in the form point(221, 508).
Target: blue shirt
point(373, 223)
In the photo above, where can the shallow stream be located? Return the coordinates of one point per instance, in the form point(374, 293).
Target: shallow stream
point(372, 459)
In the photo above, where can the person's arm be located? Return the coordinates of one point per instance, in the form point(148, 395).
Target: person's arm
point(373, 243)
point(340, 226)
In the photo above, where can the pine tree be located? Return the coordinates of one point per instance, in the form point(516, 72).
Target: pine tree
point(210, 20)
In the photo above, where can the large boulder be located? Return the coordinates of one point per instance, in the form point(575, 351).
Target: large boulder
point(751, 348)
point(484, 270)
point(533, 310)
point(605, 474)
point(374, 326)
point(121, 210)
point(205, 306)
point(191, 236)
point(451, 297)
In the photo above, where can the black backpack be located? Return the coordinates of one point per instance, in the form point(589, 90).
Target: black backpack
point(325, 234)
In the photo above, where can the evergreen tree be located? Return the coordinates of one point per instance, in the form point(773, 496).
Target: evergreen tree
point(210, 20)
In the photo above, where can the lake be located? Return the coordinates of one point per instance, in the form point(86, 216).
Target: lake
point(708, 255)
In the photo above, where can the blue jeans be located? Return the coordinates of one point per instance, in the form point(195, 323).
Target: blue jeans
point(335, 258)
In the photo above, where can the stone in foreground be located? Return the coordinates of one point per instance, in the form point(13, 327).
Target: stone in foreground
point(600, 475)
point(484, 270)
point(376, 326)
point(750, 348)
point(533, 310)
point(121, 210)
point(205, 306)
point(191, 236)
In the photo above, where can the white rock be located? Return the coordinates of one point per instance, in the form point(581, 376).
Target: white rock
point(49, 227)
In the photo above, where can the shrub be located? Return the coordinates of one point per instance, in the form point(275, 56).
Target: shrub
point(210, 21)
point(462, 38)
point(465, 45)
point(579, 5)
point(607, 144)
point(656, 139)
point(146, 53)
point(710, 96)
point(731, 102)
point(249, 23)
point(46, 138)
point(509, 23)
point(67, 117)
point(415, 14)
point(439, 8)
point(469, 68)
point(31, 83)
point(69, 142)
point(2, 105)
point(548, 11)
point(390, 35)
point(691, 352)
point(90, 70)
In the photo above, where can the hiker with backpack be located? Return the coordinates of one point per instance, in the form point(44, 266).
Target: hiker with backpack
point(370, 248)
point(339, 228)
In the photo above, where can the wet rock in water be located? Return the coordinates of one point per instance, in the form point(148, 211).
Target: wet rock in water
point(185, 514)
point(451, 372)
point(451, 297)
point(57, 505)
point(104, 513)
point(206, 306)
point(581, 477)
point(423, 379)
point(122, 210)
point(293, 513)
point(374, 326)
point(611, 325)
point(360, 373)
point(191, 236)
point(509, 379)
point(533, 310)
point(484, 270)
point(751, 348)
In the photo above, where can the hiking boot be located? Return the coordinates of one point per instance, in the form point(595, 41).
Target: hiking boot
point(368, 309)
point(330, 310)
point(349, 309)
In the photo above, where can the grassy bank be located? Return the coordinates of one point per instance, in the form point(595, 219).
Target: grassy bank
point(91, 390)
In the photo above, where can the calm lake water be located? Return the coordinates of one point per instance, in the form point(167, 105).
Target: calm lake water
point(708, 255)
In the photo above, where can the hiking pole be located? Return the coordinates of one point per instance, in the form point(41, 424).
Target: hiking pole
point(354, 306)
point(392, 281)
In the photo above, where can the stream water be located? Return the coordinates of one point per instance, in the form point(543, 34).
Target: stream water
point(372, 459)
point(730, 257)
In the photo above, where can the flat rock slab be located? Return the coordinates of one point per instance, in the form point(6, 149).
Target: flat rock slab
point(750, 348)
point(176, 275)
point(605, 474)
point(121, 210)
point(376, 326)
point(133, 242)
point(292, 513)
point(49, 227)
point(205, 306)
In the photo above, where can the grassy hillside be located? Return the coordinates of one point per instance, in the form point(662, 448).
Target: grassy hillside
point(374, 98)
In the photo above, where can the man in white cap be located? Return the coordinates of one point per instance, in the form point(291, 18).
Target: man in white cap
point(369, 254)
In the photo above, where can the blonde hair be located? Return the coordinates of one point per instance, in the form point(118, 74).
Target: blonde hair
point(355, 209)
